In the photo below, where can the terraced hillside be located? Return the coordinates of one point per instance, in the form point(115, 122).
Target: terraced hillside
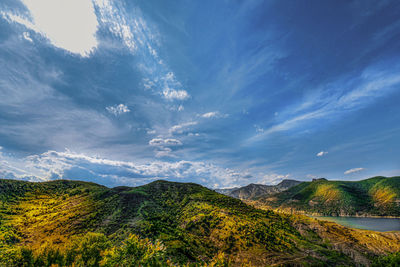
point(378, 196)
point(71, 223)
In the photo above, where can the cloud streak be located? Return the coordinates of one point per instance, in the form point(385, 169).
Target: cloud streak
point(354, 170)
point(344, 96)
point(143, 41)
point(213, 114)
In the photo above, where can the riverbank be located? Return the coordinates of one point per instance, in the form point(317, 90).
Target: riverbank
point(364, 223)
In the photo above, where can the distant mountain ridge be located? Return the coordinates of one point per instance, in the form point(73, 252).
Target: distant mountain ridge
point(253, 191)
point(377, 196)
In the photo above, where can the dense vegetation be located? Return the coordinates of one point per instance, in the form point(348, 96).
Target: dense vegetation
point(391, 260)
point(71, 223)
point(379, 196)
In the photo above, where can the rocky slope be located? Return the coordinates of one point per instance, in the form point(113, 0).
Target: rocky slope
point(254, 191)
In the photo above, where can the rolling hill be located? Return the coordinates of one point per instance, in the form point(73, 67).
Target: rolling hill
point(377, 196)
point(253, 191)
point(65, 223)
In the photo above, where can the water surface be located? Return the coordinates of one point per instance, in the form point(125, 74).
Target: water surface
point(366, 223)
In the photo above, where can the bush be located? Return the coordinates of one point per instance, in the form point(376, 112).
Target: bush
point(136, 252)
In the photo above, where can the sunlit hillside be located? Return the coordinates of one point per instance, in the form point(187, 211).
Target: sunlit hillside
point(377, 196)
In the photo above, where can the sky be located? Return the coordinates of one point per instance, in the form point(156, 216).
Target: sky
point(220, 93)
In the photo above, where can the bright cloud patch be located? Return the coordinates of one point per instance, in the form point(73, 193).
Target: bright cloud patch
point(118, 109)
point(322, 153)
point(165, 142)
point(172, 94)
point(210, 114)
point(213, 114)
point(27, 36)
point(354, 170)
point(68, 24)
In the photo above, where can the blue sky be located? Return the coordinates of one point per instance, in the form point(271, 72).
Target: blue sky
point(221, 93)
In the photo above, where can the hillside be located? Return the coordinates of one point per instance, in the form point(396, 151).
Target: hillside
point(377, 196)
point(165, 223)
point(253, 191)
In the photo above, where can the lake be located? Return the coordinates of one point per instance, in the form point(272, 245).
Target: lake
point(366, 223)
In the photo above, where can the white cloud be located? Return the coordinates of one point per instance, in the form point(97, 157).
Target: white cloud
point(354, 170)
point(322, 153)
point(68, 24)
point(27, 37)
point(149, 131)
point(117, 23)
point(258, 129)
point(213, 114)
point(180, 128)
point(210, 114)
point(172, 94)
point(69, 165)
point(164, 142)
point(172, 88)
point(164, 152)
point(273, 178)
point(118, 109)
point(147, 84)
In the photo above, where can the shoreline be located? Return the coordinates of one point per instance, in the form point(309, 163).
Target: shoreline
point(352, 216)
point(301, 212)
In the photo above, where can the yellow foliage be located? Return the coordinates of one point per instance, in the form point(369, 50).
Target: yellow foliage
point(47, 219)
point(383, 196)
point(328, 192)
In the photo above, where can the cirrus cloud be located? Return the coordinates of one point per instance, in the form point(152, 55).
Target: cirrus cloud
point(213, 114)
point(354, 170)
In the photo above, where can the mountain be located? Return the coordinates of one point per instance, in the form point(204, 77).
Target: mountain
point(377, 196)
point(65, 223)
point(225, 191)
point(253, 191)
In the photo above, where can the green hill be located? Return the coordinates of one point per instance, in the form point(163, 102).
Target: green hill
point(378, 196)
point(65, 223)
